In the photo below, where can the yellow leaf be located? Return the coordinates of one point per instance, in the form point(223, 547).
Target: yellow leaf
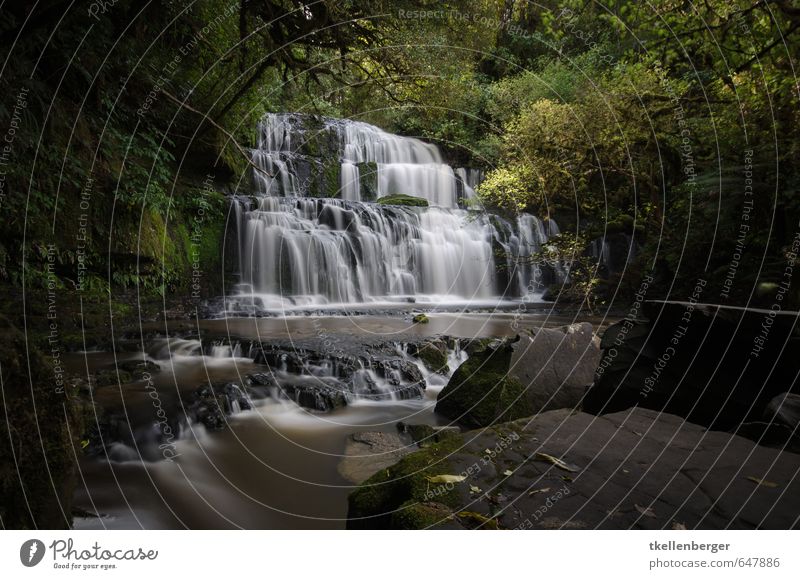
point(646, 511)
point(556, 462)
point(763, 483)
point(446, 478)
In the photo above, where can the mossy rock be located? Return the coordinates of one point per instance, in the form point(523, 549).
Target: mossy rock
point(420, 319)
point(368, 180)
point(434, 356)
point(112, 377)
point(375, 503)
point(481, 393)
point(331, 179)
point(404, 200)
point(414, 515)
point(425, 434)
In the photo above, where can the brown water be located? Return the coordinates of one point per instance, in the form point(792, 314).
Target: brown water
point(274, 466)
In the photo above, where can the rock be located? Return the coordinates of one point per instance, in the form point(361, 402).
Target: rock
point(561, 469)
point(556, 366)
point(405, 200)
point(368, 175)
point(778, 427)
point(320, 379)
point(481, 392)
point(420, 319)
point(366, 453)
point(504, 380)
point(713, 365)
point(316, 395)
point(111, 377)
point(423, 434)
point(784, 409)
point(212, 405)
point(139, 368)
point(433, 355)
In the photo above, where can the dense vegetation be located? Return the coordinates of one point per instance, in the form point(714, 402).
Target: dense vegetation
point(672, 127)
point(651, 121)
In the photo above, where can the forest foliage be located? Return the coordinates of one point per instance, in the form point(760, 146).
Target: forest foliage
point(672, 125)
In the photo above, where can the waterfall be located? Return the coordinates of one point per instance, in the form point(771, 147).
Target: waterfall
point(313, 235)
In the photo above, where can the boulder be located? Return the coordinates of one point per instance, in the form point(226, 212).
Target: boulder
point(366, 453)
point(423, 434)
point(543, 369)
point(564, 470)
point(481, 392)
point(433, 355)
point(778, 427)
point(315, 394)
point(714, 365)
point(784, 409)
point(556, 366)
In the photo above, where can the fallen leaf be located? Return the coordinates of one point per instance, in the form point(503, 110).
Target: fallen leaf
point(646, 511)
point(544, 490)
point(556, 462)
point(446, 478)
point(507, 472)
point(763, 483)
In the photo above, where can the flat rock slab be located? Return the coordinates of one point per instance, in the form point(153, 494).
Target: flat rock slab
point(368, 452)
point(630, 469)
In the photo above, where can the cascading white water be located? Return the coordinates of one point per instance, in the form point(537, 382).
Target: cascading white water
point(298, 249)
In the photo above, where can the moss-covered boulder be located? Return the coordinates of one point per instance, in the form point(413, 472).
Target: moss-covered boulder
point(445, 485)
point(406, 495)
point(541, 369)
point(404, 200)
point(565, 470)
point(433, 355)
point(481, 392)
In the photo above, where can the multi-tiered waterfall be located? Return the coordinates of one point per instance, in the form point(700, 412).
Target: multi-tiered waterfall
point(316, 232)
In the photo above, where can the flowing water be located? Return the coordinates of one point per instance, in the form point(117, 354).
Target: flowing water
point(242, 420)
point(304, 243)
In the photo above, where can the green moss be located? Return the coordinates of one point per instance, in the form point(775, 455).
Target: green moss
point(431, 515)
point(331, 179)
point(420, 319)
point(368, 177)
point(372, 504)
point(405, 200)
point(433, 357)
point(481, 393)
